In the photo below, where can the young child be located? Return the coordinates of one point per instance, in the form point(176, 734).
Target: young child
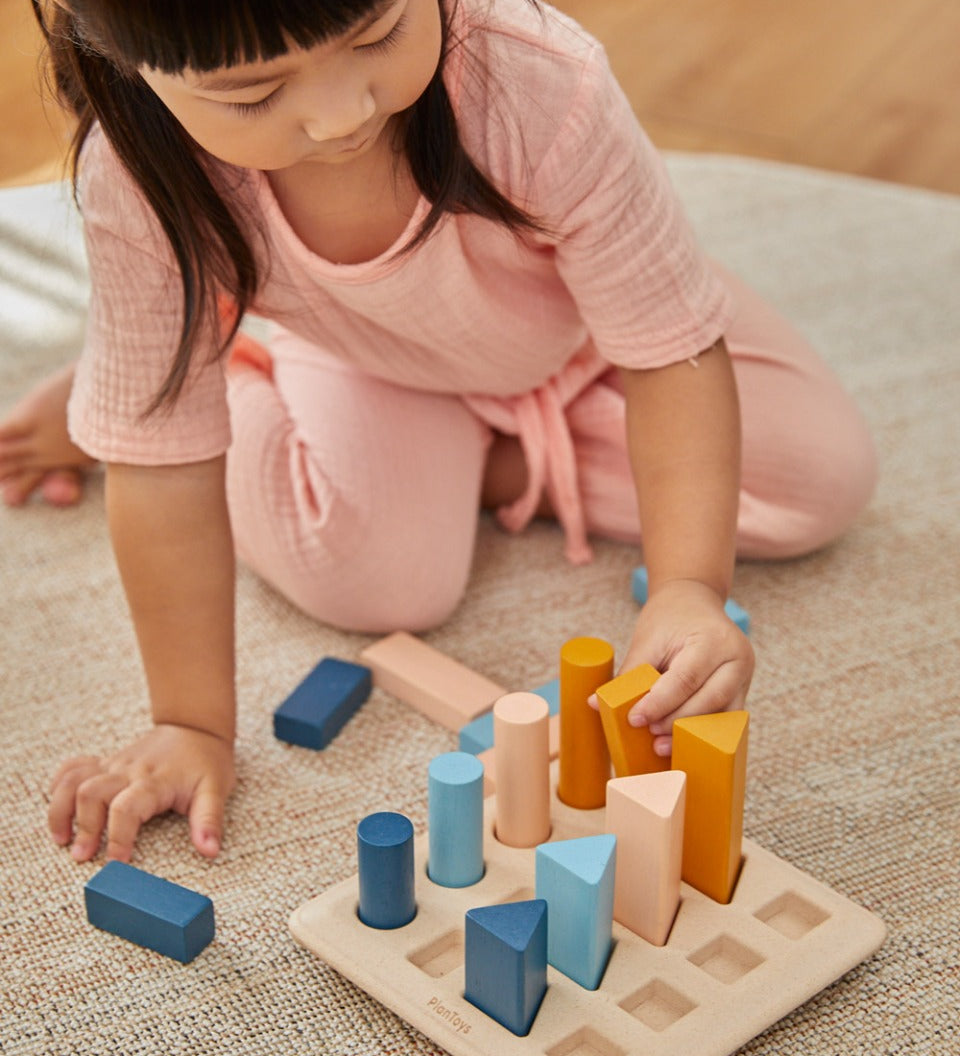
point(483, 292)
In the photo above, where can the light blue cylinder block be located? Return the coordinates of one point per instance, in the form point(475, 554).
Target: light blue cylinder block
point(455, 791)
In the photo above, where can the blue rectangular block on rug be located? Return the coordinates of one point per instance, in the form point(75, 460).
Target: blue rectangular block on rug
point(318, 709)
point(149, 911)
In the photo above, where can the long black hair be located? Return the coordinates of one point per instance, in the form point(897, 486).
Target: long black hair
point(96, 49)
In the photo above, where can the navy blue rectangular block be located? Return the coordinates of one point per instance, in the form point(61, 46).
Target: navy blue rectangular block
point(149, 911)
point(317, 710)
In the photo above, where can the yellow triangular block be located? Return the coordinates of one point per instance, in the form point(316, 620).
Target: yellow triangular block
point(712, 751)
point(631, 747)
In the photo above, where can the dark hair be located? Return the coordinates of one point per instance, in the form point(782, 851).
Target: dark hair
point(97, 48)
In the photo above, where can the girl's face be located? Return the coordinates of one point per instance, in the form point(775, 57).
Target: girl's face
point(328, 104)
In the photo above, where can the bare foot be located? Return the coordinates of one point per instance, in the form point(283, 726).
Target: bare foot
point(36, 453)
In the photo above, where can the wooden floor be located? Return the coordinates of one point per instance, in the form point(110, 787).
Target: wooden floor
point(861, 86)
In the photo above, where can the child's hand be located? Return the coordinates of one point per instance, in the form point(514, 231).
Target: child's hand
point(169, 768)
point(705, 659)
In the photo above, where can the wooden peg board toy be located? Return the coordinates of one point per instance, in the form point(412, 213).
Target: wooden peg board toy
point(726, 973)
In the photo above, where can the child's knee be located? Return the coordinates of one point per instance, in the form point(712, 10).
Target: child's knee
point(820, 496)
point(380, 600)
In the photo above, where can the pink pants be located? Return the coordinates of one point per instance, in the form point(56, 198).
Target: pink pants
point(358, 499)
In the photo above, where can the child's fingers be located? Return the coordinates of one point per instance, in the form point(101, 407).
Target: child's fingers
point(663, 746)
point(206, 820)
point(13, 434)
point(688, 671)
point(131, 809)
point(93, 800)
point(63, 793)
point(724, 690)
point(18, 487)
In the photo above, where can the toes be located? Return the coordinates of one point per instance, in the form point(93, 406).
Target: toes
point(59, 487)
point(62, 487)
point(19, 487)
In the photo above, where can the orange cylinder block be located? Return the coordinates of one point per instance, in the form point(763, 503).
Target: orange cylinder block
point(585, 664)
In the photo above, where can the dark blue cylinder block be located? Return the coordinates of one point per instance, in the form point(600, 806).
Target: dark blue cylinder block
point(385, 862)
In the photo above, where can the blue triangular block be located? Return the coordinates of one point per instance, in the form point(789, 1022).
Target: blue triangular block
point(505, 961)
point(514, 923)
point(576, 878)
point(587, 856)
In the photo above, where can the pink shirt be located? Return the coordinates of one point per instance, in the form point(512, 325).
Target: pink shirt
point(516, 327)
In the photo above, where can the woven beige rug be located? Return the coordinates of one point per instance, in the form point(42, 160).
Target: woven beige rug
point(855, 737)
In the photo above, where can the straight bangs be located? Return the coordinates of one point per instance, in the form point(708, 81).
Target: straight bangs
point(204, 35)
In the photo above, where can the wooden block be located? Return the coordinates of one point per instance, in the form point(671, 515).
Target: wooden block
point(646, 813)
point(585, 664)
point(438, 686)
point(521, 740)
point(550, 691)
point(149, 911)
point(631, 747)
point(576, 879)
point(735, 612)
point(386, 871)
point(318, 709)
point(455, 796)
point(489, 757)
point(712, 751)
point(727, 972)
point(505, 961)
point(477, 736)
point(738, 614)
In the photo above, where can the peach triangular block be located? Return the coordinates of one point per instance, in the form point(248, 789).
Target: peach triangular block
point(645, 812)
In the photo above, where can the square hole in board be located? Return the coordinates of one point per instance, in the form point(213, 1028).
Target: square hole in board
point(792, 915)
point(725, 959)
point(657, 1005)
point(441, 956)
point(586, 1042)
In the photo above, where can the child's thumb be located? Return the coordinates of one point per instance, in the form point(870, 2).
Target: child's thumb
point(206, 822)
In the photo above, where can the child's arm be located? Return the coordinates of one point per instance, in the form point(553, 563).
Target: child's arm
point(683, 428)
point(171, 536)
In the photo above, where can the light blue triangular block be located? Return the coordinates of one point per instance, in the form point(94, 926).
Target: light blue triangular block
point(505, 961)
point(576, 879)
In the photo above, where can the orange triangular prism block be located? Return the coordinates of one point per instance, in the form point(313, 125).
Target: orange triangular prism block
point(712, 751)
